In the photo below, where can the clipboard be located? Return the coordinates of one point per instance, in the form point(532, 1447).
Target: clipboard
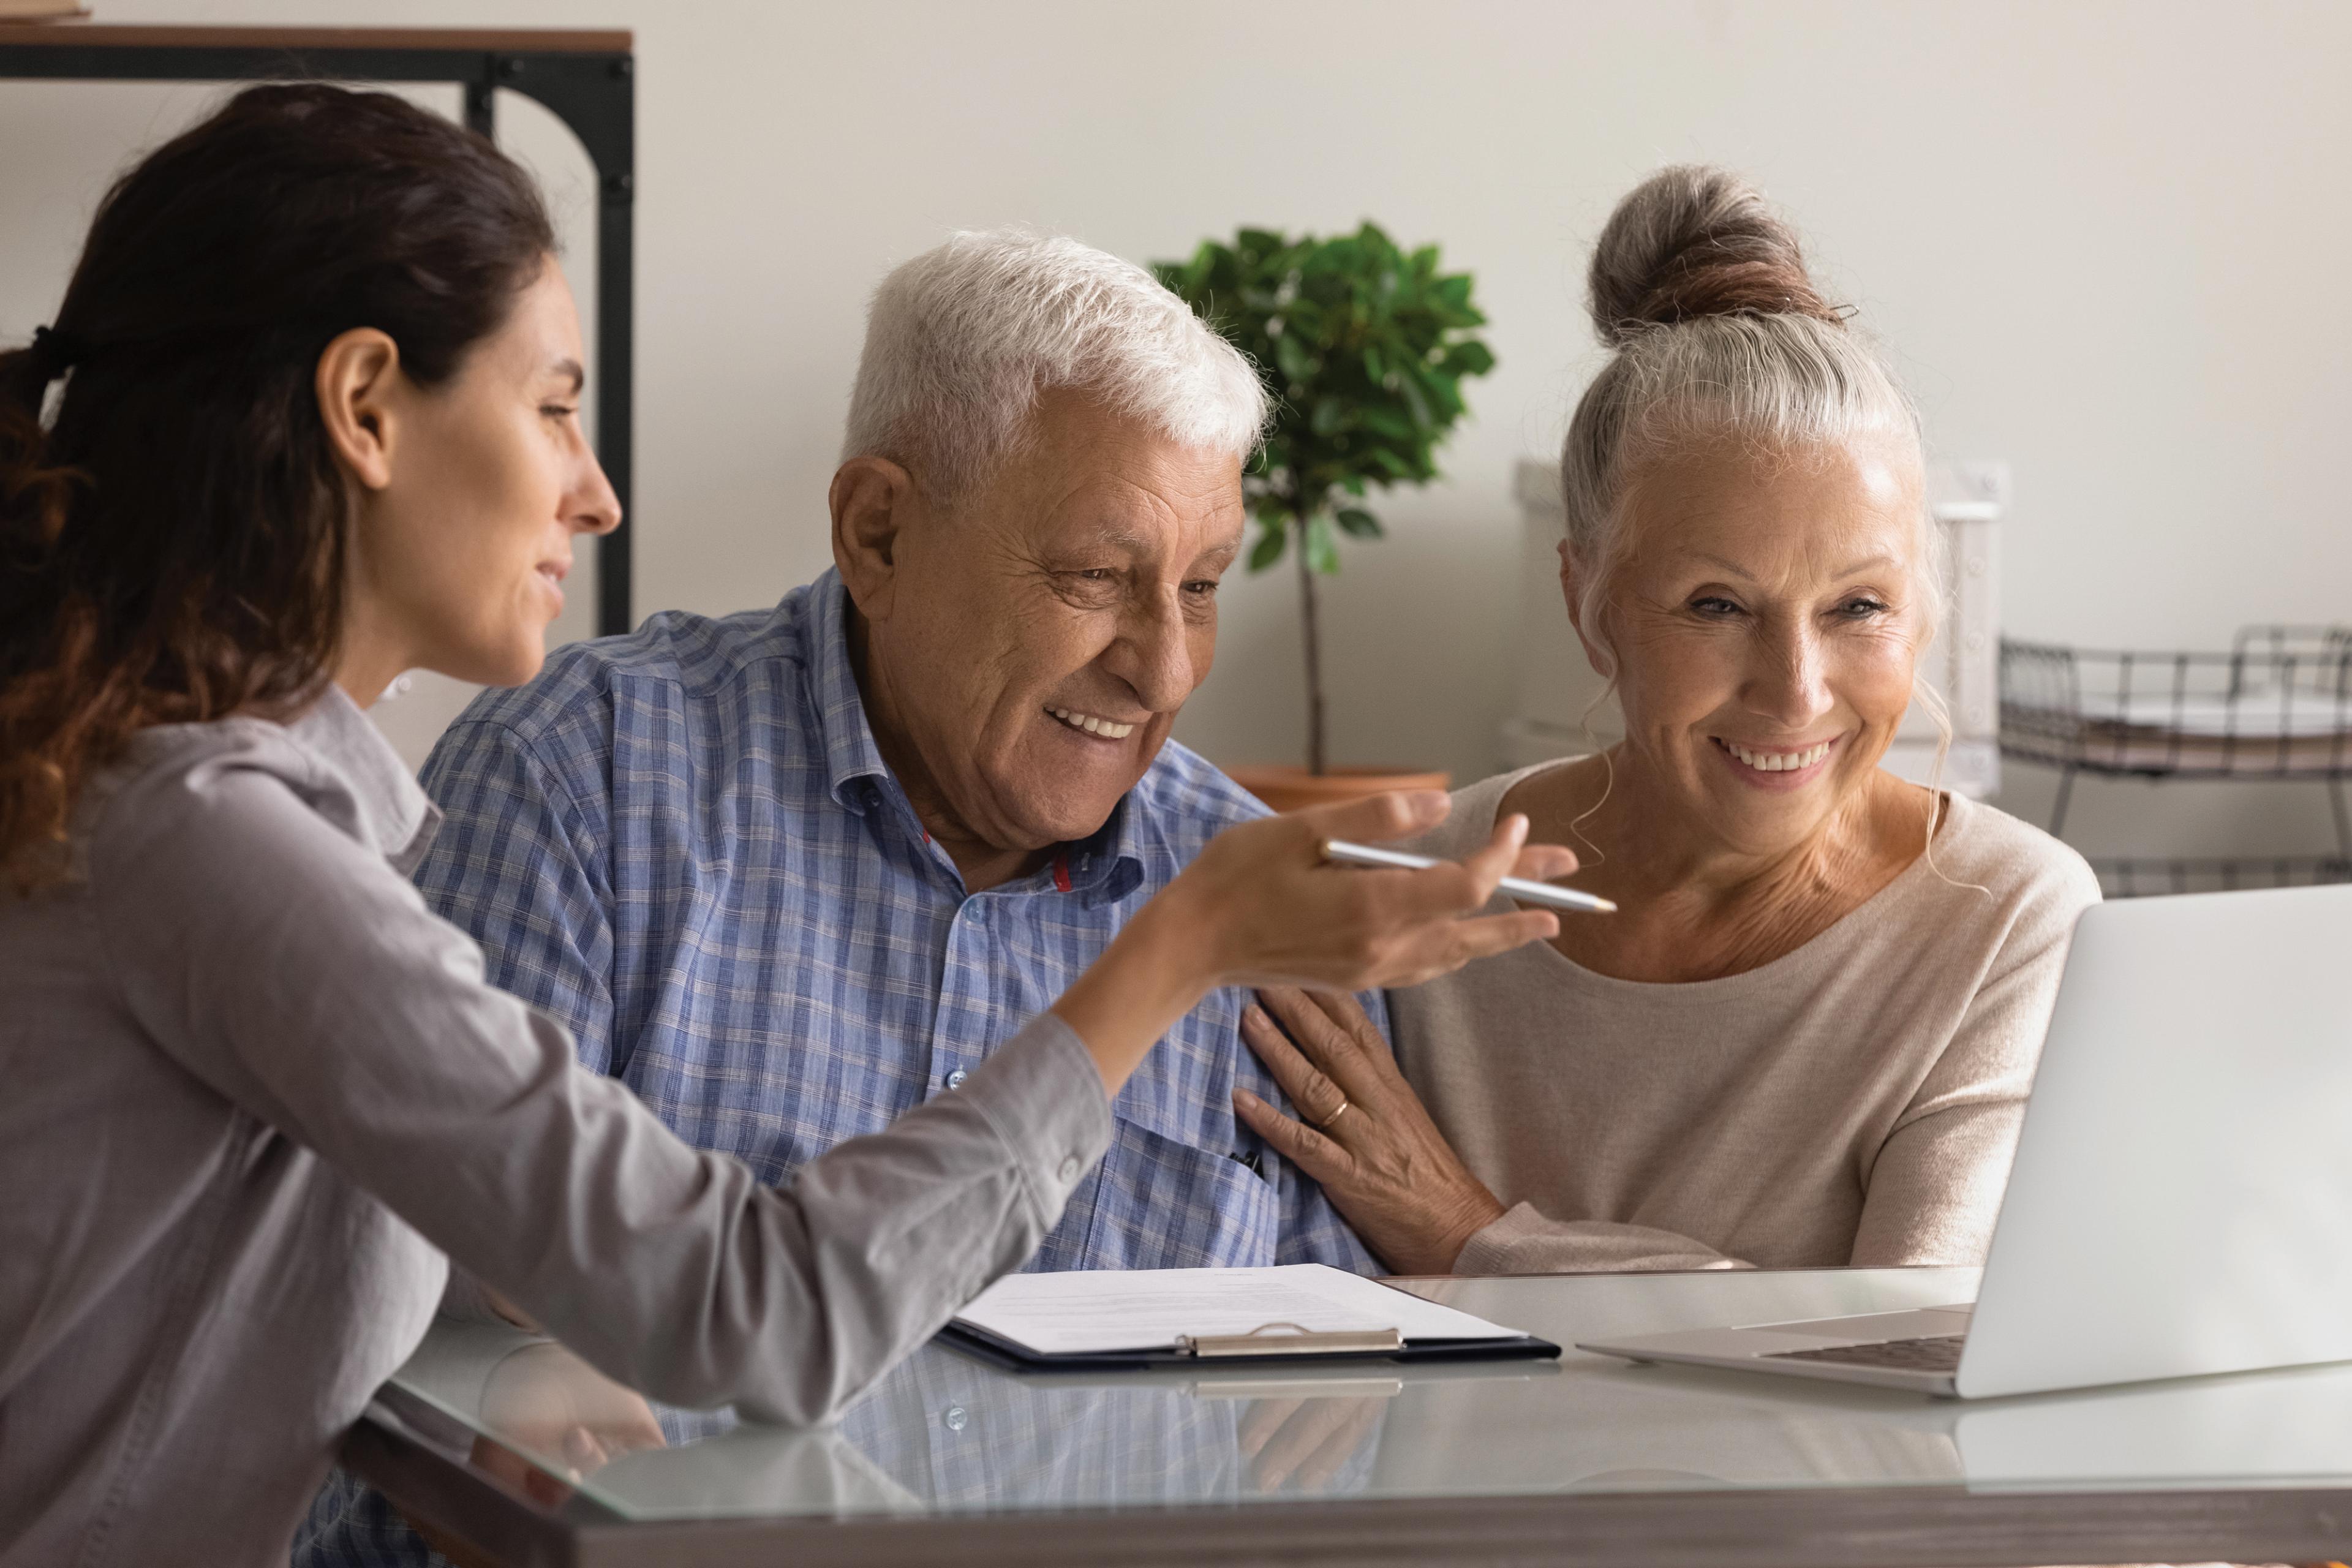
point(1199, 1319)
point(1297, 1350)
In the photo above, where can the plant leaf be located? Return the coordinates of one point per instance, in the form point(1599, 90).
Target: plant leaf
point(1292, 357)
point(1322, 547)
point(1256, 245)
point(1361, 346)
point(1416, 401)
point(1268, 548)
point(1468, 357)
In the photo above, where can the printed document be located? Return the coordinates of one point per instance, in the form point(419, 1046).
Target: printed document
point(1103, 1311)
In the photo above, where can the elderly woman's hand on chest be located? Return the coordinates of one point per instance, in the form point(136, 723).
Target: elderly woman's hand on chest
point(1365, 1135)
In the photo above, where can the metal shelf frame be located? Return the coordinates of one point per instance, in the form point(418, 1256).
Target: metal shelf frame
point(586, 79)
point(2276, 707)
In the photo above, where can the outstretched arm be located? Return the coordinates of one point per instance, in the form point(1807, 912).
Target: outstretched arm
point(282, 963)
point(286, 965)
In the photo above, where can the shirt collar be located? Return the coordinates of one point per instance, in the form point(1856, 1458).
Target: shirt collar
point(852, 762)
point(1105, 865)
point(396, 818)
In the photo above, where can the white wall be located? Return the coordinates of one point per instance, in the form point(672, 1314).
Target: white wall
point(2105, 238)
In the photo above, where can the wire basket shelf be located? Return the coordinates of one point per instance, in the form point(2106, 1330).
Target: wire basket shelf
point(2278, 705)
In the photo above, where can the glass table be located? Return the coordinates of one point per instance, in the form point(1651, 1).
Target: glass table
point(515, 1451)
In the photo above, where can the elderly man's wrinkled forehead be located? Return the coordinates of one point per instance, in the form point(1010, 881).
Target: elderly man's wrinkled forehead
point(1081, 467)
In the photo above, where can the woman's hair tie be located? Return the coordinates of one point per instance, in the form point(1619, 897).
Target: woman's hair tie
point(56, 352)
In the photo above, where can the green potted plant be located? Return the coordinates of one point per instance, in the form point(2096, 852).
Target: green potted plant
point(1364, 348)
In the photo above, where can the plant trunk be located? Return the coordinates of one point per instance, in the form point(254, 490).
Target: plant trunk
point(1314, 638)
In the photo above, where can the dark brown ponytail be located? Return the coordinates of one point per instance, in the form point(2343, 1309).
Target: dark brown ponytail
point(172, 540)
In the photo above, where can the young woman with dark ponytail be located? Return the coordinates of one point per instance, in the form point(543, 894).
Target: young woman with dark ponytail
point(309, 416)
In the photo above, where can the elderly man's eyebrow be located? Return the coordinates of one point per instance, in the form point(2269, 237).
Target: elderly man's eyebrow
point(1135, 540)
point(1145, 542)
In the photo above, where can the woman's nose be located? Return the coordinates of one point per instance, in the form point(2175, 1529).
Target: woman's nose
point(1792, 687)
point(591, 506)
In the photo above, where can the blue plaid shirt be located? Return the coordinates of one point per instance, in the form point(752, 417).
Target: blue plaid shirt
point(684, 843)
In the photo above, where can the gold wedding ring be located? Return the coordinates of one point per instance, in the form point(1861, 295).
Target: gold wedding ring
point(1334, 1116)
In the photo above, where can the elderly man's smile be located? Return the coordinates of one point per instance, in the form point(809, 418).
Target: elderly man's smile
point(1092, 724)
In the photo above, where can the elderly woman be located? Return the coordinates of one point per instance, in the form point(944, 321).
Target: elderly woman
point(1807, 1038)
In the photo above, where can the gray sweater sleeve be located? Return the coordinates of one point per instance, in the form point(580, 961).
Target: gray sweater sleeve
point(287, 967)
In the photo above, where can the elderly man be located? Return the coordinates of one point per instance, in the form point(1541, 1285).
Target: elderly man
point(789, 872)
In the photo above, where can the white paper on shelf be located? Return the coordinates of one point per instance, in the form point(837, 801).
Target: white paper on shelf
point(2258, 715)
point(1103, 1311)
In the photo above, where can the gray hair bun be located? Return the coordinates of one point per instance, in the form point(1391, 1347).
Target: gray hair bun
point(1692, 241)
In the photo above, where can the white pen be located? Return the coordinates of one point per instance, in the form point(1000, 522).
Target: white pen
point(1518, 888)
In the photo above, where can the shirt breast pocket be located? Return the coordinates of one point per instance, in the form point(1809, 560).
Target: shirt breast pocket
point(1159, 1203)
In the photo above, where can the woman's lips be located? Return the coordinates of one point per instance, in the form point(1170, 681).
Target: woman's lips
point(1777, 767)
point(1779, 760)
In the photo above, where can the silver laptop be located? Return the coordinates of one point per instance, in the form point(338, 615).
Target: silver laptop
point(2181, 1199)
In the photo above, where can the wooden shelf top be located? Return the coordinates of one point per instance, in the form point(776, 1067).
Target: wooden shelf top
point(489, 41)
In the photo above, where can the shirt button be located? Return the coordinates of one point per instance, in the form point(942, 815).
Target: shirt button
point(955, 1080)
point(953, 1418)
point(979, 911)
point(1069, 1172)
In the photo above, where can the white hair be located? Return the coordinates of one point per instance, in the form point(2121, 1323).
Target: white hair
point(961, 342)
point(1701, 290)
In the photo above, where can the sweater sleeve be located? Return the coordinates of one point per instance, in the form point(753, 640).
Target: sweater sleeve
point(281, 962)
point(1933, 1191)
point(1524, 1242)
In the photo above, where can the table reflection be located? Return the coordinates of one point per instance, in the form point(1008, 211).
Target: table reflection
point(948, 1434)
point(941, 1433)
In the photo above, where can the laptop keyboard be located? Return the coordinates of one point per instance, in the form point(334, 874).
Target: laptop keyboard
point(1939, 1354)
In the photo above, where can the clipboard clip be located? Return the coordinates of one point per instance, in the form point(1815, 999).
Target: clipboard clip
point(1290, 1338)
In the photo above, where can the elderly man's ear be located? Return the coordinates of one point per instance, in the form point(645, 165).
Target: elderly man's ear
point(874, 502)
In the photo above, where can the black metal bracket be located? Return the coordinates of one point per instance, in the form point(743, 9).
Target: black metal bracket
point(593, 93)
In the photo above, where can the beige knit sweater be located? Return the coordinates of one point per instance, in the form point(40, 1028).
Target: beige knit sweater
point(1854, 1102)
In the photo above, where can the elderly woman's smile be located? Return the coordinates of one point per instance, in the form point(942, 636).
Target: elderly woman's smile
point(1763, 623)
point(1781, 770)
